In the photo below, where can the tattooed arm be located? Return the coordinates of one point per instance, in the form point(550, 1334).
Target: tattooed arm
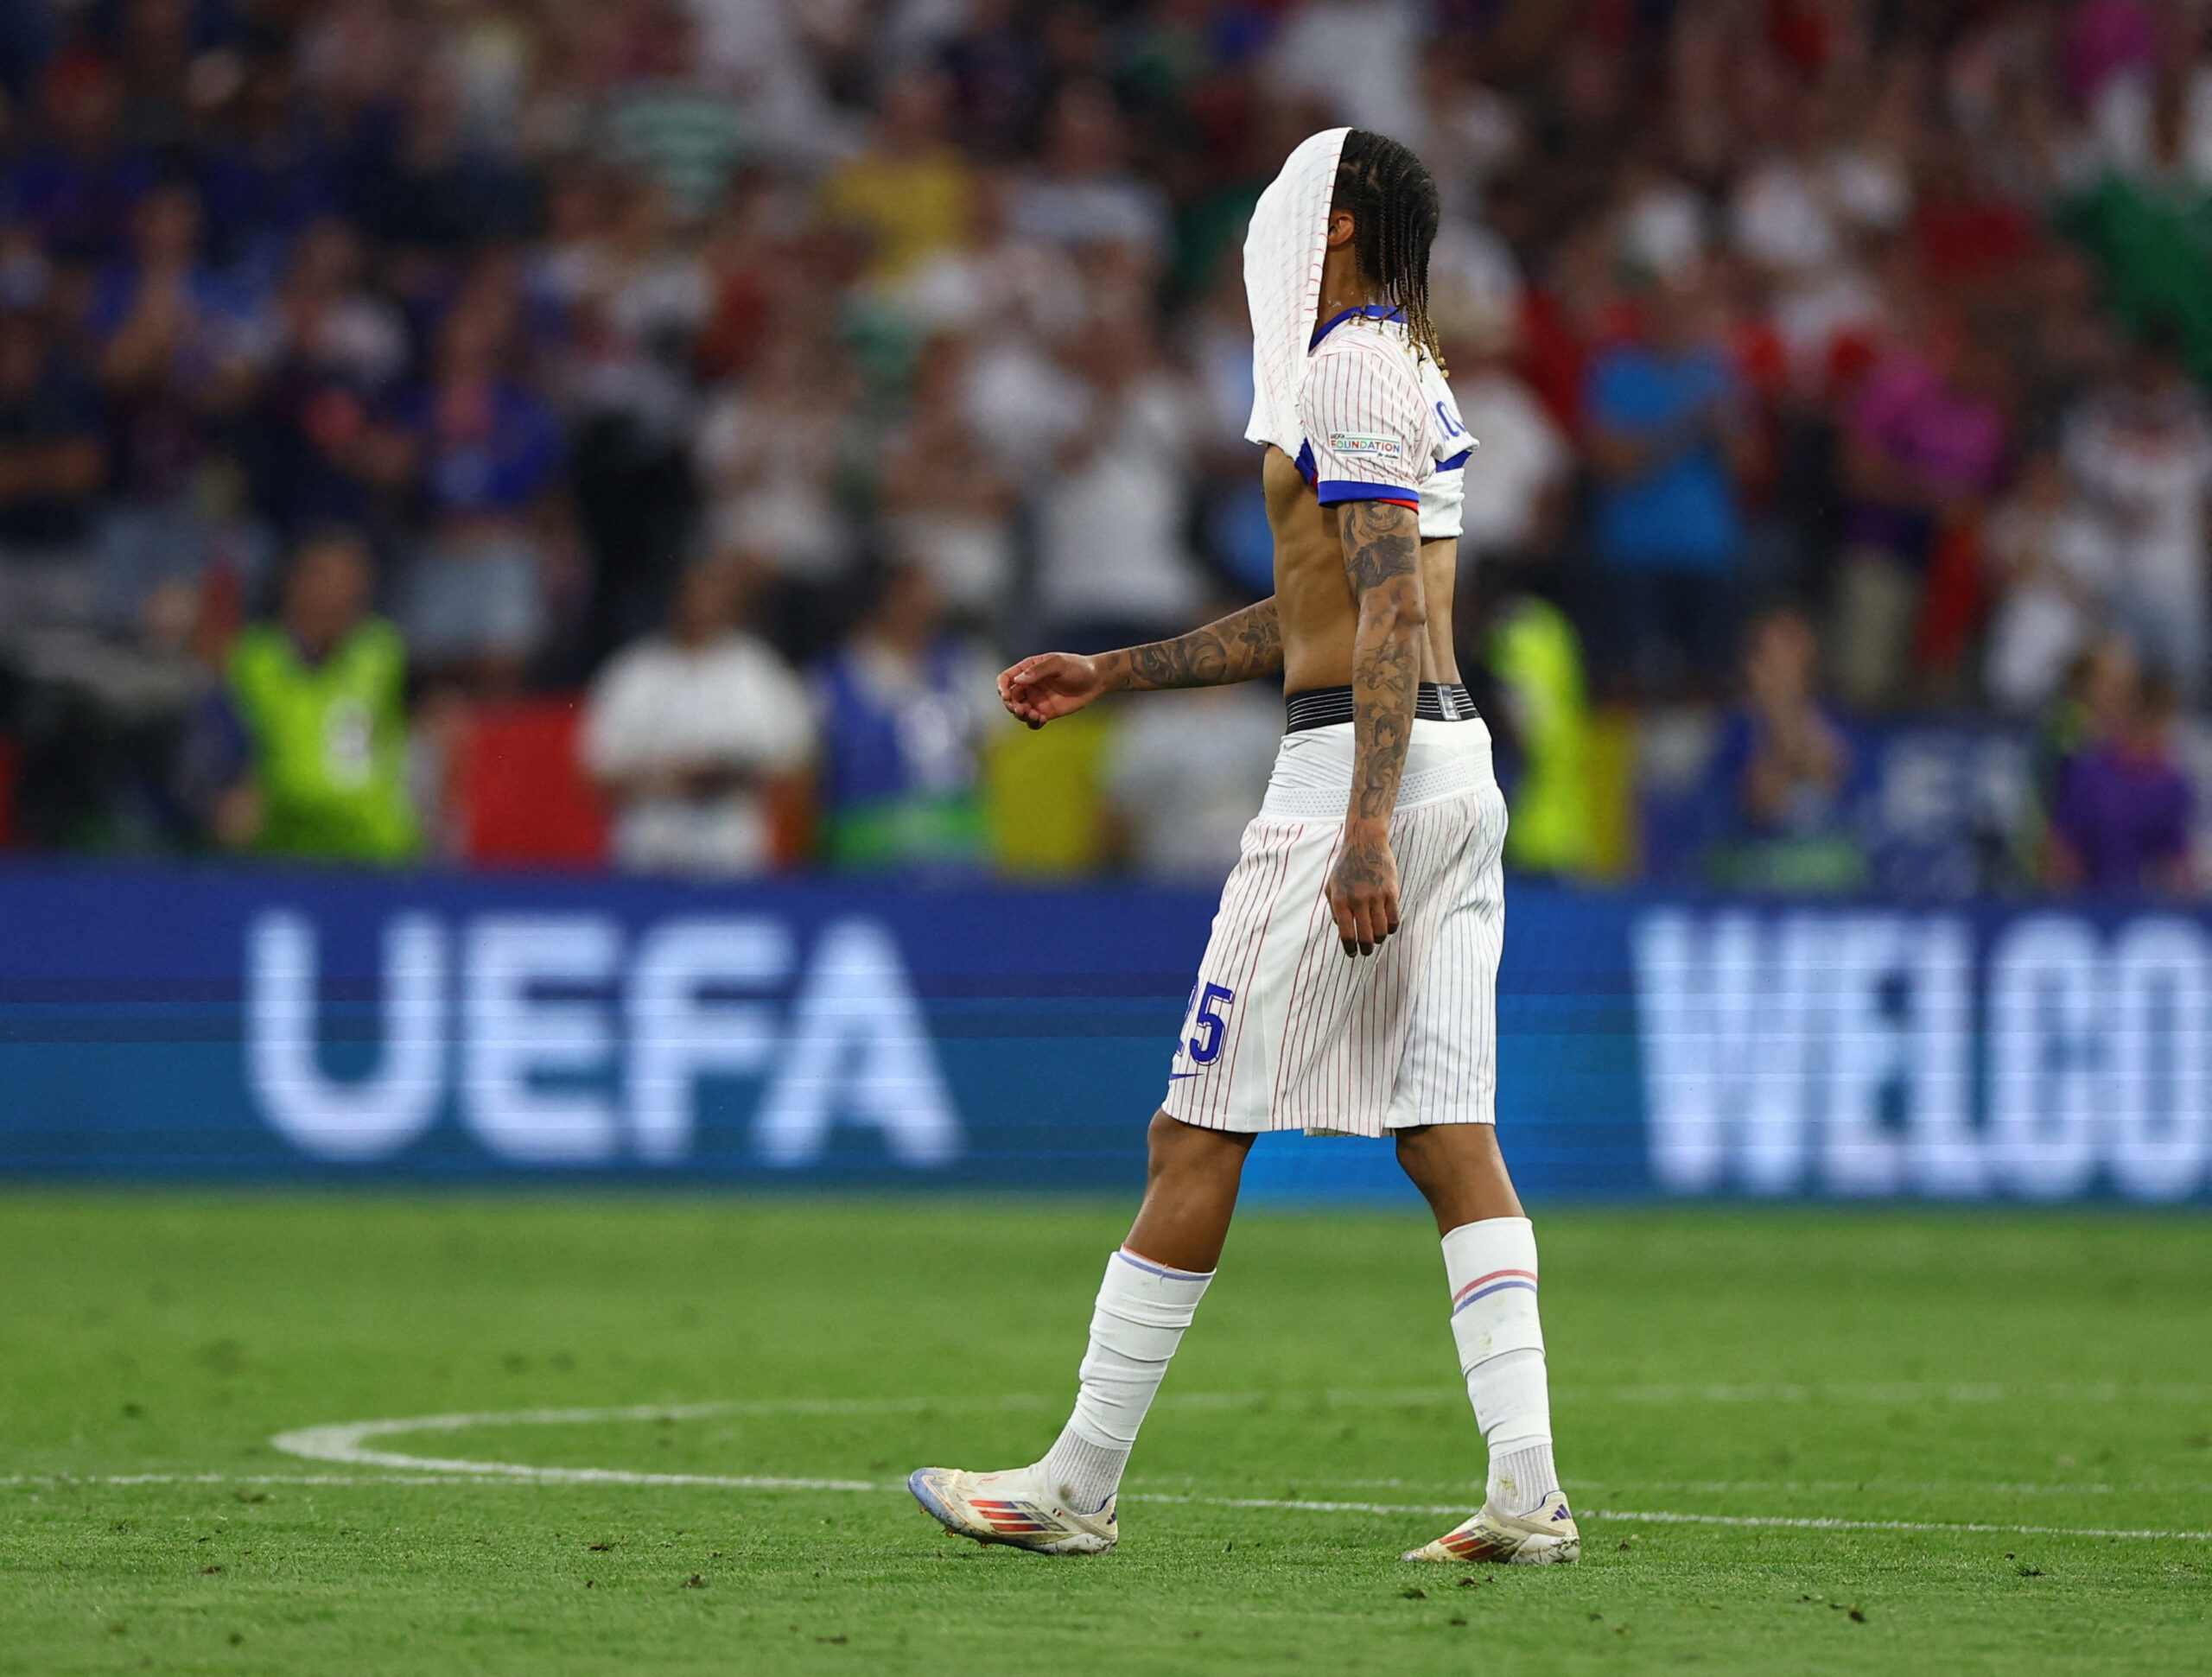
point(1383, 561)
point(1241, 647)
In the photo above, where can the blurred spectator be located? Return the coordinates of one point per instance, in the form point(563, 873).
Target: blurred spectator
point(1924, 442)
point(1083, 192)
point(317, 697)
point(2099, 687)
point(51, 464)
point(1662, 231)
point(758, 60)
point(770, 451)
point(326, 451)
point(1025, 403)
point(2102, 42)
point(1216, 347)
point(79, 181)
point(2052, 562)
point(995, 277)
point(903, 705)
point(267, 171)
point(27, 277)
point(663, 121)
point(1796, 211)
point(1113, 566)
point(2121, 818)
point(1358, 58)
point(1045, 793)
point(422, 183)
point(104, 725)
point(634, 299)
point(2152, 260)
point(1582, 123)
point(1665, 418)
point(487, 455)
point(742, 255)
point(1965, 231)
point(153, 42)
point(2142, 451)
point(947, 507)
point(1535, 663)
point(997, 67)
point(1517, 476)
point(909, 189)
point(688, 732)
point(182, 348)
point(2151, 122)
point(1786, 774)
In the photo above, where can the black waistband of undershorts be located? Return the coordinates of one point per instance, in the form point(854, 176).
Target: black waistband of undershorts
point(1323, 707)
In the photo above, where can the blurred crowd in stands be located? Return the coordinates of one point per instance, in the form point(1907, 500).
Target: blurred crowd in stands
point(567, 430)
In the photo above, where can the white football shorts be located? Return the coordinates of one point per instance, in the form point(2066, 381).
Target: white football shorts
point(1284, 1029)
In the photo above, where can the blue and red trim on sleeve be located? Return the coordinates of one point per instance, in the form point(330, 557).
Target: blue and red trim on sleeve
point(1333, 492)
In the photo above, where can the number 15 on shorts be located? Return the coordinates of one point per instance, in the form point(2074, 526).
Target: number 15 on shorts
point(1207, 1020)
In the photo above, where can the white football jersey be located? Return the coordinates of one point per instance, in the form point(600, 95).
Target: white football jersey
point(1381, 423)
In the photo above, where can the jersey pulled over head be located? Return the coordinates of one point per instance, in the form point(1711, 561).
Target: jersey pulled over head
point(1392, 200)
point(1284, 249)
point(1360, 401)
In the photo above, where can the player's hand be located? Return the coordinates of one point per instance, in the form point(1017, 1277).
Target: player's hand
point(1363, 891)
point(1049, 686)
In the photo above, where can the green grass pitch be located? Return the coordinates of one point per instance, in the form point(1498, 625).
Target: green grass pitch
point(1926, 1382)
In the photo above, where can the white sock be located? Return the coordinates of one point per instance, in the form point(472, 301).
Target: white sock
point(1143, 1308)
point(1491, 1266)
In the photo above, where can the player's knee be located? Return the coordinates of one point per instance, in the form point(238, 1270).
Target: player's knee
point(1417, 1155)
point(1178, 1149)
point(1417, 1145)
point(1448, 1142)
point(1459, 1171)
point(1442, 1154)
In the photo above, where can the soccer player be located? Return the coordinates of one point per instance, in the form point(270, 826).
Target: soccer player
point(1350, 984)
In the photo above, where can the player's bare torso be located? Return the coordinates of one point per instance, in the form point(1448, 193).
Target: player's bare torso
point(1314, 597)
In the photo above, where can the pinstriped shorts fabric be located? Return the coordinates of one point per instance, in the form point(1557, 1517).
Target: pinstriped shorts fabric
point(1284, 1030)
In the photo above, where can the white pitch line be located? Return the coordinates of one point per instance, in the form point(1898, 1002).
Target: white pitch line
point(1809, 1523)
point(1667, 1518)
point(346, 1443)
point(1924, 1391)
point(512, 1473)
point(1765, 1487)
point(68, 1479)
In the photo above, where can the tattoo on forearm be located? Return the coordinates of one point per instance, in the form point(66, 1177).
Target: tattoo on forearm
point(1241, 647)
point(1386, 671)
point(1381, 560)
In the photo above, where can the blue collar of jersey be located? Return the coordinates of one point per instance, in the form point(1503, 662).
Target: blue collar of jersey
point(1373, 311)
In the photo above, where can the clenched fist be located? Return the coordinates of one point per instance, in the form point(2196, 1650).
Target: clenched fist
point(1051, 685)
point(1364, 889)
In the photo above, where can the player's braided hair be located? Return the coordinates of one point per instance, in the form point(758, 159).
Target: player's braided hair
point(1391, 197)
